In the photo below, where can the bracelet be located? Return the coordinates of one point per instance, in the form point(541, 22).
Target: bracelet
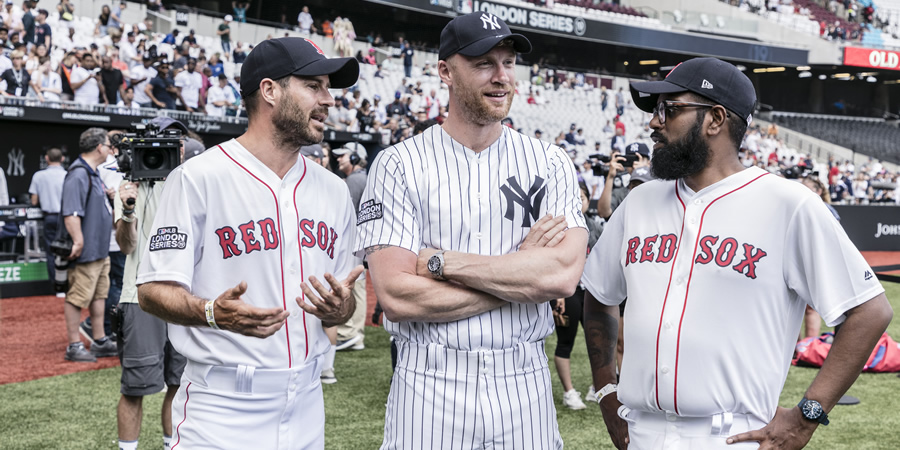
point(127, 218)
point(210, 314)
point(128, 212)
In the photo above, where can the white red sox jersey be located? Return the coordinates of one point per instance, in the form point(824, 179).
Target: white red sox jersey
point(717, 282)
point(225, 217)
point(430, 191)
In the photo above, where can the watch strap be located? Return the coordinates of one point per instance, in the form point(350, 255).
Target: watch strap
point(606, 390)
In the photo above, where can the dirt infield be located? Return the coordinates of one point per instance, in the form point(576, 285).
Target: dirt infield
point(33, 339)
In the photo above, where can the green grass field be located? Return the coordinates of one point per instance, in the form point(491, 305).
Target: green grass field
point(78, 411)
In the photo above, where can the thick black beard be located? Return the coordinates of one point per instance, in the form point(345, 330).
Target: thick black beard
point(684, 158)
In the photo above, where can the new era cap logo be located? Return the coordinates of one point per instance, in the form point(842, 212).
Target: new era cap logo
point(706, 85)
point(489, 19)
point(319, 50)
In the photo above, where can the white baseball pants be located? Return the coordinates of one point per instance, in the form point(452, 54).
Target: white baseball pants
point(442, 398)
point(668, 431)
point(242, 407)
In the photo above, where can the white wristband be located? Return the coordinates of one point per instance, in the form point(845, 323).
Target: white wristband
point(210, 314)
point(608, 389)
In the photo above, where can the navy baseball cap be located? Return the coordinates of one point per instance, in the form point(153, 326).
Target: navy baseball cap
point(278, 58)
point(712, 78)
point(476, 34)
point(638, 147)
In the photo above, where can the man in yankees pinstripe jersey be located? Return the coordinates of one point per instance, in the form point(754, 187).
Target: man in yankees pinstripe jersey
point(470, 229)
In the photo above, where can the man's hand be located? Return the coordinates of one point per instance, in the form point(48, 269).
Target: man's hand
point(233, 314)
point(128, 191)
point(788, 430)
point(642, 161)
point(615, 164)
point(334, 307)
point(546, 232)
point(77, 247)
point(422, 263)
point(615, 425)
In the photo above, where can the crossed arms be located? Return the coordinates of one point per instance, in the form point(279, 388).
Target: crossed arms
point(547, 266)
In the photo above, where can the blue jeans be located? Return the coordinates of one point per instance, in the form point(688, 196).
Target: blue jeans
point(116, 272)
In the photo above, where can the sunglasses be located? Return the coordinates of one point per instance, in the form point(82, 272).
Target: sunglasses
point(670, 108)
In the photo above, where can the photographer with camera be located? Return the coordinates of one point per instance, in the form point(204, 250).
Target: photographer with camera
point(149, 362)
point(618, 172)
point(87, 216)
point(86, 82)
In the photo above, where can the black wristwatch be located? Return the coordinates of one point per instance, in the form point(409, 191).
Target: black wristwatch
point(812, 410)
point(436, 265)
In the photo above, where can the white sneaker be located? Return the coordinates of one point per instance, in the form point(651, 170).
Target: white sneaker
point(572, 400)
point(591, 396)
point(328, 377)
point(359, 345)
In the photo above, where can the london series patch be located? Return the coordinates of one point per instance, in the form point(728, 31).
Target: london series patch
point(168, 238)
point(368, 211)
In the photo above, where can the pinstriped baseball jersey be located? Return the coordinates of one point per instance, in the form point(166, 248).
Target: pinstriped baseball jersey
point(717, 282)
point(431, 191)
point(225, 217)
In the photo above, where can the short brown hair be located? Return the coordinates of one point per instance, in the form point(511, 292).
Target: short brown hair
point(250, 101)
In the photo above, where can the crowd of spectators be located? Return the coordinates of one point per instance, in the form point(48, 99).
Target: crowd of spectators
point(844, 20)
point(847, 183)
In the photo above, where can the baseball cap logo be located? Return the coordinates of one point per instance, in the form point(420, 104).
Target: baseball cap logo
point(319, 50)
point(706, 85)
point(489, 19)
point(634, 148)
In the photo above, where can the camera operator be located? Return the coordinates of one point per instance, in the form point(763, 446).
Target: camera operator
point(618, 181)
point(148, 360)
point(88, 220)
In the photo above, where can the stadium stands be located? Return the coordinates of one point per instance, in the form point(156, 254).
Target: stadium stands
point(868, 136)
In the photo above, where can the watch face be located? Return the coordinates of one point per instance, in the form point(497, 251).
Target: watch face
point(812, 409)
point(434, 263)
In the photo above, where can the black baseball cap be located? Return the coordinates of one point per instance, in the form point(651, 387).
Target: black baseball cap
point(476, 34)
point(278, 58)
point(712, 78)
point(638, 147)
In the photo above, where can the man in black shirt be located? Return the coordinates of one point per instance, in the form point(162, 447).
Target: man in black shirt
point(397, 108)
point(162, 90)
point(42, 32)
point(113, 82)
point(28, 22)
point(190, 39)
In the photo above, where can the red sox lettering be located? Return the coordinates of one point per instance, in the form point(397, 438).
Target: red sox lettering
point(661, 249)
point(263, 235)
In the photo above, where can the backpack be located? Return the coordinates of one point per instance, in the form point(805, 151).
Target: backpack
point(812, 351)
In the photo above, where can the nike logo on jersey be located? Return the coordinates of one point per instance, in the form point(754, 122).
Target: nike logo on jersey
point(530, 201)
point(661, 249)
point(246, 240)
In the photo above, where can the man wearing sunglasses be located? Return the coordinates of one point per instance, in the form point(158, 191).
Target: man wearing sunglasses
point(718, 263)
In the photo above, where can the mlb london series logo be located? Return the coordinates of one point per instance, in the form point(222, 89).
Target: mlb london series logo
point(529, 201)
point(168, 238)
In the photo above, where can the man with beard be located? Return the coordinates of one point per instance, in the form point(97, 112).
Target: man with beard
point(470, 229)
point(252, 214)
point(718, 263)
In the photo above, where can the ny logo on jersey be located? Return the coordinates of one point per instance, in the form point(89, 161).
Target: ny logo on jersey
point(489, 19)
point(530, 201)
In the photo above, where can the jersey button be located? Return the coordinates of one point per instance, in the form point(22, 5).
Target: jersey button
point(664, 369)
point(668, 325)
point(693, 221)
point(698, 202)
point(478, 236)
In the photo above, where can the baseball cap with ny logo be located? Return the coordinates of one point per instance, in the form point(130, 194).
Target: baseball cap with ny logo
point(476, 34)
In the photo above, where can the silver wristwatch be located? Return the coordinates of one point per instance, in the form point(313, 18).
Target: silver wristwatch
point(436, 265)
